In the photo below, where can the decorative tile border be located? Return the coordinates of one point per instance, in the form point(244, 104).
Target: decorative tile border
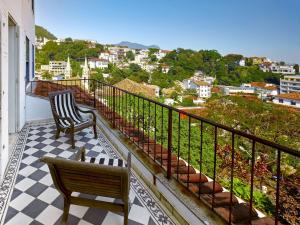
point(141, 191)
point(11, 172)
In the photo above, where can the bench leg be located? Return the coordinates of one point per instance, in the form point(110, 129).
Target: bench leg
point(126, 212)
point(66, 212)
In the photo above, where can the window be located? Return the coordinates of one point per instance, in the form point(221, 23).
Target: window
point(280, 100)
point(293, 102)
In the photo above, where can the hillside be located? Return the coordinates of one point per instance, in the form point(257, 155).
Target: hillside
point(136, 45)
point(41, 32)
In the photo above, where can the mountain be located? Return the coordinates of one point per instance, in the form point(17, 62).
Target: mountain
point(41, 32)
point(136, 45)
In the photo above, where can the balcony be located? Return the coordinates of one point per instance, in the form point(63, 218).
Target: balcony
point(187, 169)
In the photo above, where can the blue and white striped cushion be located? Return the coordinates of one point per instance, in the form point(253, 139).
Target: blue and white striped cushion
point(107, 161)
point(64, 105)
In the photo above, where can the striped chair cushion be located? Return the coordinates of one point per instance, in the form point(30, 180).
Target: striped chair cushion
point(107, 161)
point(64, 106)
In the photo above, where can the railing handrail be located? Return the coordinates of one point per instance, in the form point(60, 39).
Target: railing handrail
point(252, 137)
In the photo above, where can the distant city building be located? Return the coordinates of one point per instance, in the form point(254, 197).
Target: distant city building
point(259, 60)
point(232, 90)
point(290, 84)
point(96, 63)
point(264, 89)
point(276, 68)
point(203, 88)
point(85, 70)
point(68, 70)
point(285, 69)
point(57, 67)
point(161, 54)
point(165, 68)
point(288, 99)
point(40, 42)
point(242, 62)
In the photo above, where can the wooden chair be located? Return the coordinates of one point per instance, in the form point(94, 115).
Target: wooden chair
point(92, 179)
point(67, 115)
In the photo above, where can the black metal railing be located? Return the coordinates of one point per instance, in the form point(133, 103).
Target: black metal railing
point(215, 162)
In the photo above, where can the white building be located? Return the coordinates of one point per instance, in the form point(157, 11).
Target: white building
point(68, 70)
point(165, 69)
point(160, 54)
point(85, 70)
point(232, 90)
point(242, 62)
point(17, 49)
point(57, 67)
point(203, 88)
point(288, 99)
point(290, 84)
point(96, 63)
point(40, 42)
point(276, 68)
point(286, 69)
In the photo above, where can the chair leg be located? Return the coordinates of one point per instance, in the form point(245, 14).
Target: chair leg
point(57, 134)
point(66, 212)
point(73, 139)
point(126, 212)
point(95, 131)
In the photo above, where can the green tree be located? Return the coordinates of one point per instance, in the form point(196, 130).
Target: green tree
point(130, 55)
point(296, 67)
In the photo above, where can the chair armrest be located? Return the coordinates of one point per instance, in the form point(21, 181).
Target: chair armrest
point(86, 111)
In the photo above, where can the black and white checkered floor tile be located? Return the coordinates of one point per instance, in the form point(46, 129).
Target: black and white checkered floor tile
point(27, 194)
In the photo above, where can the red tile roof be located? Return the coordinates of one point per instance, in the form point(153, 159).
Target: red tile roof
point(293, 96)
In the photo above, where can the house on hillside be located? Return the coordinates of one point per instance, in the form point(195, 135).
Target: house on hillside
point(265, 89)
point(96, 63)
point(233, 90)
point(288, 99)
point(203, 88)
point(165, 68)
point(290, 84)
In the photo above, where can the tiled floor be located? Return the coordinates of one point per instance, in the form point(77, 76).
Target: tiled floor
point(27, 194)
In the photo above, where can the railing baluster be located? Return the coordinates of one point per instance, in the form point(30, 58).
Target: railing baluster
point(201, 150)
point(178, 145)
point(189, 153)
point(114, 107)
point(231, 176)
point(252, 179)
point(162, 134)
point(148, 126)
point(278, 178)
point(155, 131)
point(215, 162)
point(170, 133)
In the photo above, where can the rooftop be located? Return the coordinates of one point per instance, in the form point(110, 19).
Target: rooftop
point(292, 96)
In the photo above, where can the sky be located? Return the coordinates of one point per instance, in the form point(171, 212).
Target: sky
point(268, 28)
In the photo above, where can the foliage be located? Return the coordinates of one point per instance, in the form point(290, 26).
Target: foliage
point(41, 32)
point(296, 67)
point(130, 55)
point(187, 101)
point(47, 76)
point(242, 190)
point(76, 50)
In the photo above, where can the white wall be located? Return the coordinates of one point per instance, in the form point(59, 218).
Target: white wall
point(22, 14)
point(287, 102)
point(37, 109)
